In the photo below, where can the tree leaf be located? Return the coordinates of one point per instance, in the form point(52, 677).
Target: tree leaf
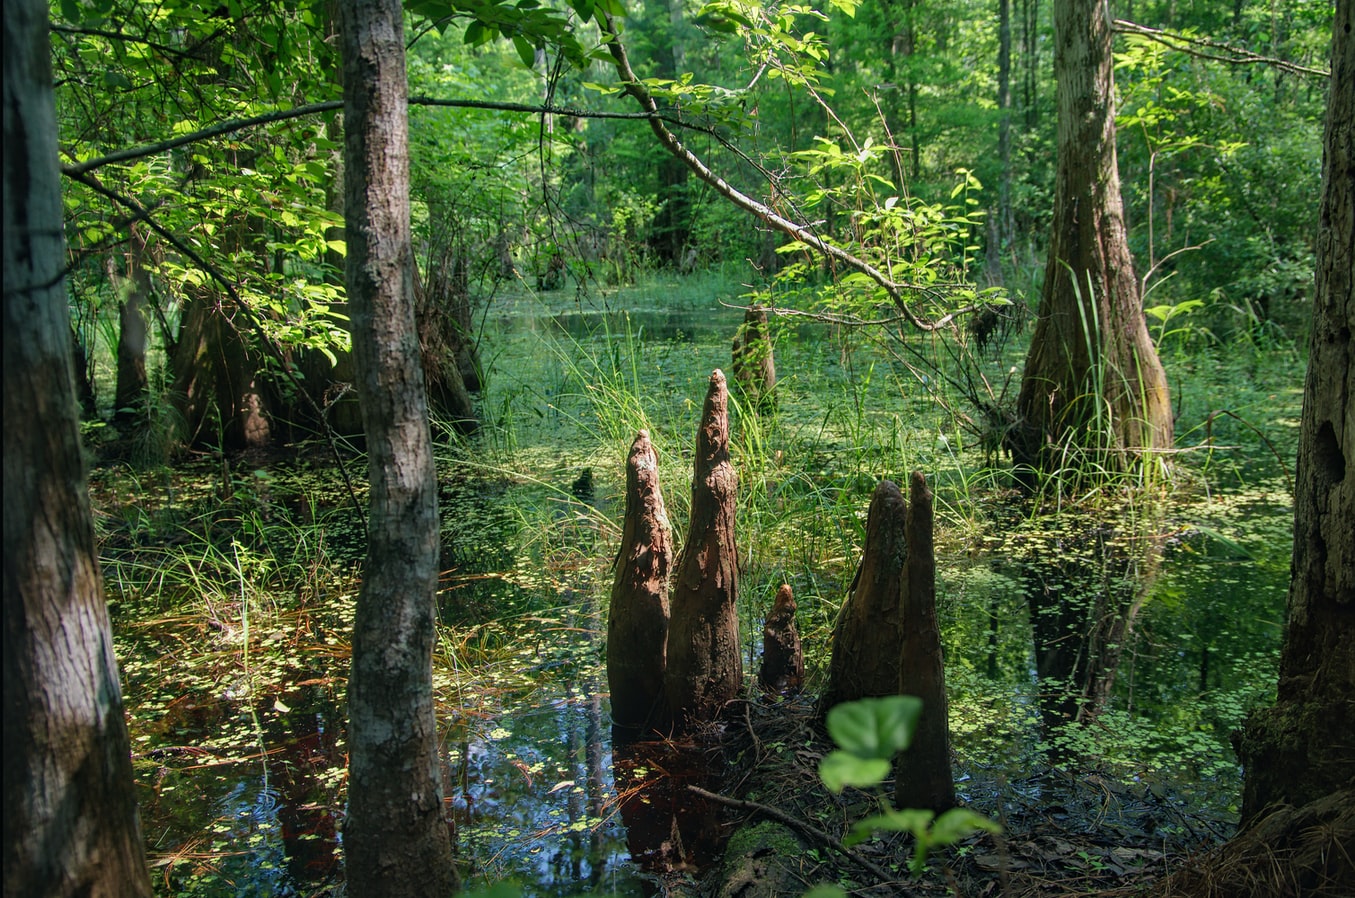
point(875, 727)
point(840, 769)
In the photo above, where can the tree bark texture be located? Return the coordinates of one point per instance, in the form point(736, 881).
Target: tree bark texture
point(783, 660)
point(923, 777)
point(1092, 379)
point(754, 365)
point(1303, 747)
point(705, 665)
point(70, 818)
point(217, 390)
point(396, 836)
point(868, 636)
point(439, 342)
point(637, 623)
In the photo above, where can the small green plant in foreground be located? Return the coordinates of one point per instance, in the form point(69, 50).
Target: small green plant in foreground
point(869, 733)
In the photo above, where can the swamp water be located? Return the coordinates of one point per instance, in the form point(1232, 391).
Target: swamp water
point(235, 674)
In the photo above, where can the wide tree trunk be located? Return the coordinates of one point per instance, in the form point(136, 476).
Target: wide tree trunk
point(1093, 393)
point(705, 665)
point(868, 636)
point(754, 364)
point(70, 825)
point(134, 289)
point(396, 836)
point(1301, 749)
point(218, 390)
point(637, 622)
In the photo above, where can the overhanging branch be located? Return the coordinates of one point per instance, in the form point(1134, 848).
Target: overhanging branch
point(895, 290)
point(1234, 55)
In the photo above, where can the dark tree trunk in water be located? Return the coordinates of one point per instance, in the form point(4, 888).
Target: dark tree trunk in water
point(396, 837)
point(1092, 381)
point(923, 777)
point(438, 341)
point(868, 637)
point(754, 366)
point(705, 665)
point(783, 661)
point(1084, 594)
point(134, 289)
point(1303, 748)
point(218, 391)
point(70, 826)
point(637, 623)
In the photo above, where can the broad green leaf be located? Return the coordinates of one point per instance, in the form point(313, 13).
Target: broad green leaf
point(875, 727)
point(909, 820)
point(958, 823)
point(526, 52)
point(840, 769)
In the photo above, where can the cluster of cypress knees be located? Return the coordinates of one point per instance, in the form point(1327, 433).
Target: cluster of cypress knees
point(674, 658)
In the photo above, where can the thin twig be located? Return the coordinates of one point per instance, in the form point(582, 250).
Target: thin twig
point(1236, 55)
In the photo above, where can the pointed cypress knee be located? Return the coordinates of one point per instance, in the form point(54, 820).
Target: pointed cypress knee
point(923, 772)
point(637, 624)
point(783, 662)
point(867, 638)
point(705, 666)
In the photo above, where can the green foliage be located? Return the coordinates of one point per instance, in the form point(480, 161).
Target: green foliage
point(869, 733)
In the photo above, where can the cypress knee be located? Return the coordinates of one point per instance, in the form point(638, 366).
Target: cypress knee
point(923, 775)
point(705, 667)
point(867, 639)
point(783, 662)
point(754, 366)
point(637, 624)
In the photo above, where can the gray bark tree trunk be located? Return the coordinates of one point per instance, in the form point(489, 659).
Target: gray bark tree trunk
point(1092, 381)
point(1300, 750)
point(70, 825)
point(396, 835)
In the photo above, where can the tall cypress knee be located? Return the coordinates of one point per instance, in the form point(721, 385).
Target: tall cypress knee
point(705, 667)
point(637, 624)
point(867, 639)
point(924, 778)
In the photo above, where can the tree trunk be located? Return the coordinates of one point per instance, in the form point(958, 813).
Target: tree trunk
point(637, 623)
point(71, 826)
point(218, 390)
point(923, 776)
point(1092, 381)
point(705, 665)
point(396, 836)
point(868, 636)
point(1300, 750)
point(134, 290)
point(754, 365)
point(783, 660)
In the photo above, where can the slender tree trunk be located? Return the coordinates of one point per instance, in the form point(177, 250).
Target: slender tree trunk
point(1004, 130)
point(705, 663)
point(134, 289)
point(1301, 749)
point(1092, 380)
point(396, 836)
point(70, 825)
